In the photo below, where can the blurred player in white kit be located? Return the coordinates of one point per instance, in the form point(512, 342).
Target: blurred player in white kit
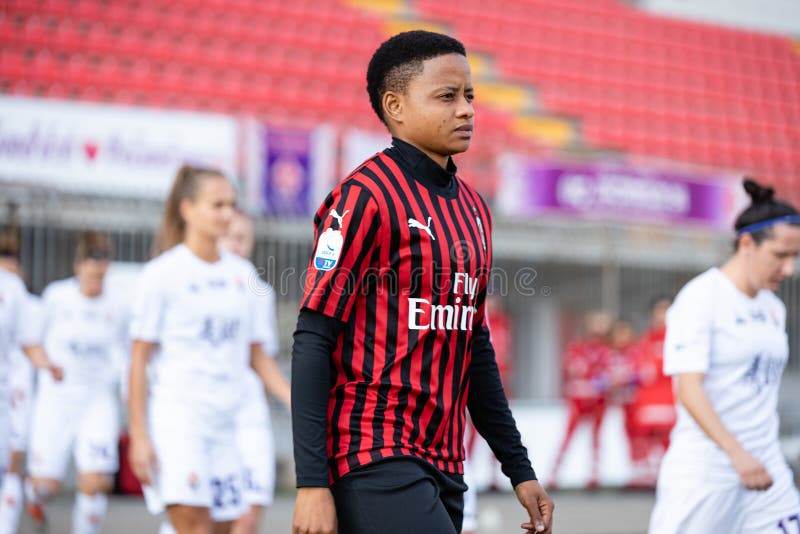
point(84, 331)
point(196, 331)
point(726, 347)
point(20, 388)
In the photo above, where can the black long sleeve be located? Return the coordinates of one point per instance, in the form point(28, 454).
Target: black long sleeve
point(488, 407)
point(314, 341)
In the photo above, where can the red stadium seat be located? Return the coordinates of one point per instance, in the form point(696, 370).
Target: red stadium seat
point(633, 81)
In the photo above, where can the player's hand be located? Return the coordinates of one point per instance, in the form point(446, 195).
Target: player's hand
point(751, 471)
point(539, 506)
point(56, 371)
point(142, 458)
point(314, 512)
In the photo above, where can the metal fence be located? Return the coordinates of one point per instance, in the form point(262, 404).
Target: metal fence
point(544, 293)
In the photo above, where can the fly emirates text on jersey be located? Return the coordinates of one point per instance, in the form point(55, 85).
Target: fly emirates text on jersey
point(422, 315)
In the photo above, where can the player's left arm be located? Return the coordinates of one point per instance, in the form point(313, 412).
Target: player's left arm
point(39, 359)
point(491, 415)
point(266, 367)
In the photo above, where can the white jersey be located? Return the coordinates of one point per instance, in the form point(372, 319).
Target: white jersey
point(253, 427)
point(17, 324)
point(21, 381)
point(741, 346)
point(84, 335)
point(20, 364)
point(265, 317)
point(204, 318)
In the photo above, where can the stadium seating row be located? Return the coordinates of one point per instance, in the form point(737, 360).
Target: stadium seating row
point(632, 81)
point(646, 84)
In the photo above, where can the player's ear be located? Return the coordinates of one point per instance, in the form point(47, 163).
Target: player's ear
point(185, 209)
point(746, 241)
point(392, 106)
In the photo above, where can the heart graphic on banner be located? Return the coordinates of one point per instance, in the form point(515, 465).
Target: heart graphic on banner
point(91, 150)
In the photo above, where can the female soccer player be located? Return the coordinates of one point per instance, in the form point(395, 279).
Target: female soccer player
point(16, 331)
point(253, 426)
point(84, 328)
point(651, 415)
point(726, 347)
point(392, 344)
point(195, 323)
point(20, 384)
point(585, 369)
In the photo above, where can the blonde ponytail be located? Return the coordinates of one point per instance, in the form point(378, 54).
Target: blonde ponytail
point(172, 229)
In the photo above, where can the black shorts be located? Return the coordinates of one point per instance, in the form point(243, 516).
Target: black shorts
point(399, 495)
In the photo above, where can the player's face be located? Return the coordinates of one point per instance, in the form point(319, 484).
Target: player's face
point(658, 317)
point(90, 274)
point(598, 324)
point(240, 237)
point(436, 109)
point(622, 335)
point(775, 259)
point(212, 209)
point(11, 264)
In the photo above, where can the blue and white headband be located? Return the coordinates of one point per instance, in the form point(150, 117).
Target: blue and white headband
point(769, 223)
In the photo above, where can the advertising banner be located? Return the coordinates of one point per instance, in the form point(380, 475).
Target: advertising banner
point(290, 170)
point(616, 191)
point(106, 149)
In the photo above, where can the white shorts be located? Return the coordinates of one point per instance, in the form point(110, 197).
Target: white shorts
point(197, 465)
point(21, 385)
point(694, 509)
point(256, 448)
point(470, 513)
point(86, 426)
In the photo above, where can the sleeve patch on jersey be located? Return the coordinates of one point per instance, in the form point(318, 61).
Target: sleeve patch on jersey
point(329, 248)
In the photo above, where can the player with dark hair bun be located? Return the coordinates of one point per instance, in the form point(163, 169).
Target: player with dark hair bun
point(382, 373)
point(726, 348)
point(761, 216)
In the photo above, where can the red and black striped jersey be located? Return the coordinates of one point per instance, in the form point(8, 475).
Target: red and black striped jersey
point(402, 256)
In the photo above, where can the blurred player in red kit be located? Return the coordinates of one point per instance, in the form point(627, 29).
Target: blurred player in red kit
point(585, 386)
point(651, 413)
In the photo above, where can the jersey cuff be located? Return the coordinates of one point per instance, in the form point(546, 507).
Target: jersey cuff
point(672, 371)
point(522, 476)
point(313, 482)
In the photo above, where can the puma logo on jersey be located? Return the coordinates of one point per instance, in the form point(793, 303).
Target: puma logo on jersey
point(413, 223)
point(339, 218)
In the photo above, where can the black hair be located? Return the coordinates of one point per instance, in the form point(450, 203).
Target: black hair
point(398, 59)
point(763, 207)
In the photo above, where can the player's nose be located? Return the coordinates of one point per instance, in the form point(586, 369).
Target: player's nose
point(465, 108)
point(788, 267)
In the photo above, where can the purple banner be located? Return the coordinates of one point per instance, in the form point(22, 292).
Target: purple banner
point(287, 182)
point(619, 192)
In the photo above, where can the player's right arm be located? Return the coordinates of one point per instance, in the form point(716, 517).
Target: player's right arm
point(687, 350)
point(145, 331)
point(347, 228)
point(141, 455)
point(314, 340)
point(692, 395)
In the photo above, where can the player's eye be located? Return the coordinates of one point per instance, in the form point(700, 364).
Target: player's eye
point(447, 96)
point(470, 97)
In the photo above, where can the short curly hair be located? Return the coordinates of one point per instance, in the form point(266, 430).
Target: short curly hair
point(399, 59)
